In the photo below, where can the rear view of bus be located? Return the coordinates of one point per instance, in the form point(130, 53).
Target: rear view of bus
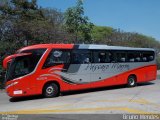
point(49, 69)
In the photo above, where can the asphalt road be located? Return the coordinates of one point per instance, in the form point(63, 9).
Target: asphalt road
point(143, 99)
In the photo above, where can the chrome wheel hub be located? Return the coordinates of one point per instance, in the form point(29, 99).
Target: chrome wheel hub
point(50, 90)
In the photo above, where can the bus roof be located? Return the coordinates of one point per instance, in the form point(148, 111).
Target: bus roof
point(83, 46)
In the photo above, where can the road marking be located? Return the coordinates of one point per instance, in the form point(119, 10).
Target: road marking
point(140, 101)
point(113, 100)
point(144, 101)
point(59, 106)
point(80, 110)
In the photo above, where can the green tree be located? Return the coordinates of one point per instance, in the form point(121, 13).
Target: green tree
point(101, 34)
point(78, 24)
point(22, 23)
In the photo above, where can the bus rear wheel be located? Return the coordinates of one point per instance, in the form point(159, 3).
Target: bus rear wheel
point(50, 90)
point(131, 81)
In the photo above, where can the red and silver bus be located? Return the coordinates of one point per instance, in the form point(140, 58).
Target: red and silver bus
point(49, 69)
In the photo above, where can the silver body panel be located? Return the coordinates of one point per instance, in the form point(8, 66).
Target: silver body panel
point(95, 72)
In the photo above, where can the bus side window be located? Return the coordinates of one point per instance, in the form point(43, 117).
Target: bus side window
point(138, 57)
point(121, 57)
point(57, 57)
point(109, 57)
point(148, 56)
point(95, 57)
point(101, 56)
point(151, 58)
point(144, 59)
point(112, 56)
point(81, 57)
point(130, 57)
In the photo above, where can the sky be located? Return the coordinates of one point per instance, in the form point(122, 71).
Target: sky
point(142, 16)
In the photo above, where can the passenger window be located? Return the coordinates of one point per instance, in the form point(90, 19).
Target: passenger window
point(57, 57)
point(121, 57)
point(130, 57)
point(81, 57)
point(148, 56)
point(138, 57)
point(102, 56)
point(134, 56)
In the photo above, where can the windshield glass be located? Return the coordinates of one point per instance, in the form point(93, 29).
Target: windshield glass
point(24, 65)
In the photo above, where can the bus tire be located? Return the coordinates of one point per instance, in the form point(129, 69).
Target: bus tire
point(131, 82)
point(50, 90)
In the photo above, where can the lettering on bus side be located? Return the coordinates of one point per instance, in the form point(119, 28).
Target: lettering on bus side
point(96, 67)
point(117, 66)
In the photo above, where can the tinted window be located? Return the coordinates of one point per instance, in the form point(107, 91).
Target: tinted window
point(81, 56)
point(121, 56)
point(130, 57)
point(57, 57)
point(134, 56)
point(148, 56)
point(140, 56)
point(23, 66)
point(102, 56)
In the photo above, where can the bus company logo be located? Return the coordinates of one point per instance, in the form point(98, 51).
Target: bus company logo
point(9, 117)
point(57, 53)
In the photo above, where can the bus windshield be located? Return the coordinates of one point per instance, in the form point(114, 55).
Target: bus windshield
point(23, 65)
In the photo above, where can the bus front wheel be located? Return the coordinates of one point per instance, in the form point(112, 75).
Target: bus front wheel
point(50, 90)
point(131, 81)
